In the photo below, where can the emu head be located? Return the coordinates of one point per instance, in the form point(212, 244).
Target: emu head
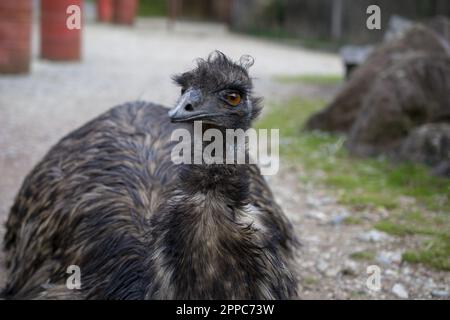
point(217, 92)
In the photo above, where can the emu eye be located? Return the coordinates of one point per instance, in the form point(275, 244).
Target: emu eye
point(183, 90)
point(233, 98)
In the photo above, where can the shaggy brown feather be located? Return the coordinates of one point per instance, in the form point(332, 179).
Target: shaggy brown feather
point(109, 199)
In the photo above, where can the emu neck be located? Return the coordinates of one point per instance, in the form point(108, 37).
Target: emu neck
point(227, 181)
point(203, 224)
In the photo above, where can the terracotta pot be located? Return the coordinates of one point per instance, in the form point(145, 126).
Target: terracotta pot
point(58, 42)
point(125, 11)
point(15, 36)
point(105, 10)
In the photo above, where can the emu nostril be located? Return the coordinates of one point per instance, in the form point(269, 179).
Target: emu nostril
point(188, 107)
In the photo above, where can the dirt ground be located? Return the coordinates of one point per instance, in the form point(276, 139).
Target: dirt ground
point(326, 269)
point(122, 64)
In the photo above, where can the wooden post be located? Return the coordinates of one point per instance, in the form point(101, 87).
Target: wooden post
point(174, 11)
point(336, 19)
point(222, 9)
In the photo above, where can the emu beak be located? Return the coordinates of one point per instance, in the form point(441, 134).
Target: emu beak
point(178, 114)
point(185, 110)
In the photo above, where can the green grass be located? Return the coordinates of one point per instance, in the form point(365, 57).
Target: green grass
point(416, 222)
point(309, 281)
point(368, 184)
point(353, 220)
point(363, 256)
point(152, 8)
point(314, 79)
point(433, 226)
point(435, 253)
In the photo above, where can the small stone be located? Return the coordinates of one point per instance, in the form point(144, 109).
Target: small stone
point(318, 201)
point(396, 257)
point(339, 218)
point(317, 215)
point(322, 266)
point(400, 291)
point(313, 202)
point(391, 273)
point(373, 236)
point(327, 200)
point(429, 284)
point(406, 271)
point(381, 258)
point(439, 294)
point(350, 268)
point(388, 257)
point(332, 272)
point(312, 239)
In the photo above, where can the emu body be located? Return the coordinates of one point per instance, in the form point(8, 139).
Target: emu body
point(108, 199)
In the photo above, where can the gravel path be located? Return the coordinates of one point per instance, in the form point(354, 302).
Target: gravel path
point(122, 64)
point(326, 268)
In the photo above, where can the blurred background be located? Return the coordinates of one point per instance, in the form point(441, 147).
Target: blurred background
point(364, 115)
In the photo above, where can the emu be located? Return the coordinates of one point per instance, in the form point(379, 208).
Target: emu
point(108, 198)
